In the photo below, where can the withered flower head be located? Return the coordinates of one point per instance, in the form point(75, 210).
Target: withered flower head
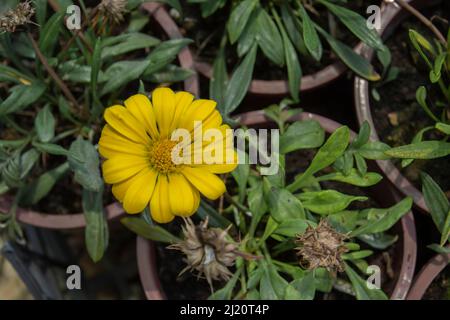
point(321, 247)
point(207, 251)
point(18, 16)
point(113, 9)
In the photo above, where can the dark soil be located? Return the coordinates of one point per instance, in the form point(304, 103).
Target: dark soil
point(398, 99)
point(440, 287)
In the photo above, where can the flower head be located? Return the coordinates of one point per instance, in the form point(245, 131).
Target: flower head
point(113, 9)
point(139, 150)
point(321, 246)
point(207, 251)
point(18, 16)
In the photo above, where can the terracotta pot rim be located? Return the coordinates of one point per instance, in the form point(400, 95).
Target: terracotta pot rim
point(146, 251)
point(309, 82)
point(114, 210)
point(391, 16)
point(428, 274)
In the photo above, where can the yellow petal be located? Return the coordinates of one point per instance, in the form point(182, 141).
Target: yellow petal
point(159, 204)
point(122, 121)
point(210, 185)
point(182, 195)
point(118, 169)
point(164, 106)
point(119, 189)
point(141, 108)
point(140, 191)
point(112, 144)
point(183, 100)
point(199, 110)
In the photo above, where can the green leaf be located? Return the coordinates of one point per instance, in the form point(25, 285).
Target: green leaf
point(240, 81)
point(421, 97)
point(122, 72)
point(164, 53)
point(151, 232)
point(44, 124)
point(169, 74)
point(353, 178)
point(96, 232)
point(355, 255)
point(327, 201)
point(354, 61)
point(282, 204)
point(361, 289)
point(226, 292)
point(129, 42)
point(21, 97)
point(84, 162)
point(94, 77)
point(443, 127)
point(436, 201)
point(292, 227)
point(272, 285)
point(333, 148)
point(446, 230)
point(305, 286)
point(421, 150)
point(380, 220)
point(240, 175)
point(50, 33)
point(51, 148)
point(435, 73)
point(380, 241)
point(219, 80)
point(238, 19)
point(269, 38)
point(417, 138)
point(374, 150)
point(439, 249)
point(27, 162)
point(248, 35)
point(363, 136)
point(310, 36)
point(356, 24)
point(40, 187)
point(361, 164)
point(306, 134)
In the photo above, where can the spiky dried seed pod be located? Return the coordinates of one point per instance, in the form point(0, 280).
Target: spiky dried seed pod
point(113, 10)
point(16, 17)
point(321, 247)
point(207, 251)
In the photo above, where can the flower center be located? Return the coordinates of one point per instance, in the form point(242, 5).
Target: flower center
point(161, 156)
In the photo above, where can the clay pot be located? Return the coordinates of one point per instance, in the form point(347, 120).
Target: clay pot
point(427, 275)
point(406, 250)
point(392, 16)
point(114, 210)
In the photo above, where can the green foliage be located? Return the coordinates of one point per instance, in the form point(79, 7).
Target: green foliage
point(288, 34)
point(54, 90)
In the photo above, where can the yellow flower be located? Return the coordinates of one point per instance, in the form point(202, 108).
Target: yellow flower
point(137, 145)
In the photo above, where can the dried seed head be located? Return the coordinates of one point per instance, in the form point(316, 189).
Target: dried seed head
point(207, 251)
point(321, 247)
point(16, 17)
point(113, 10)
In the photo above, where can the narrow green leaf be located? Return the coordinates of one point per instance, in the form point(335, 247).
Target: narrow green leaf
point(151, 232)
point(333, 148)
point(306, 134)
point(238, 18)
point(44, 124)
point(96, 232)
point(310, 36)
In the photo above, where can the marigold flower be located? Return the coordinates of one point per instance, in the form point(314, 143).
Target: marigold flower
point(137, 144)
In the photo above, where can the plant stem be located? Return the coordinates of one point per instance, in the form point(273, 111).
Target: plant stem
point(423, 19)
point(52, 72)
point(238, 205)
